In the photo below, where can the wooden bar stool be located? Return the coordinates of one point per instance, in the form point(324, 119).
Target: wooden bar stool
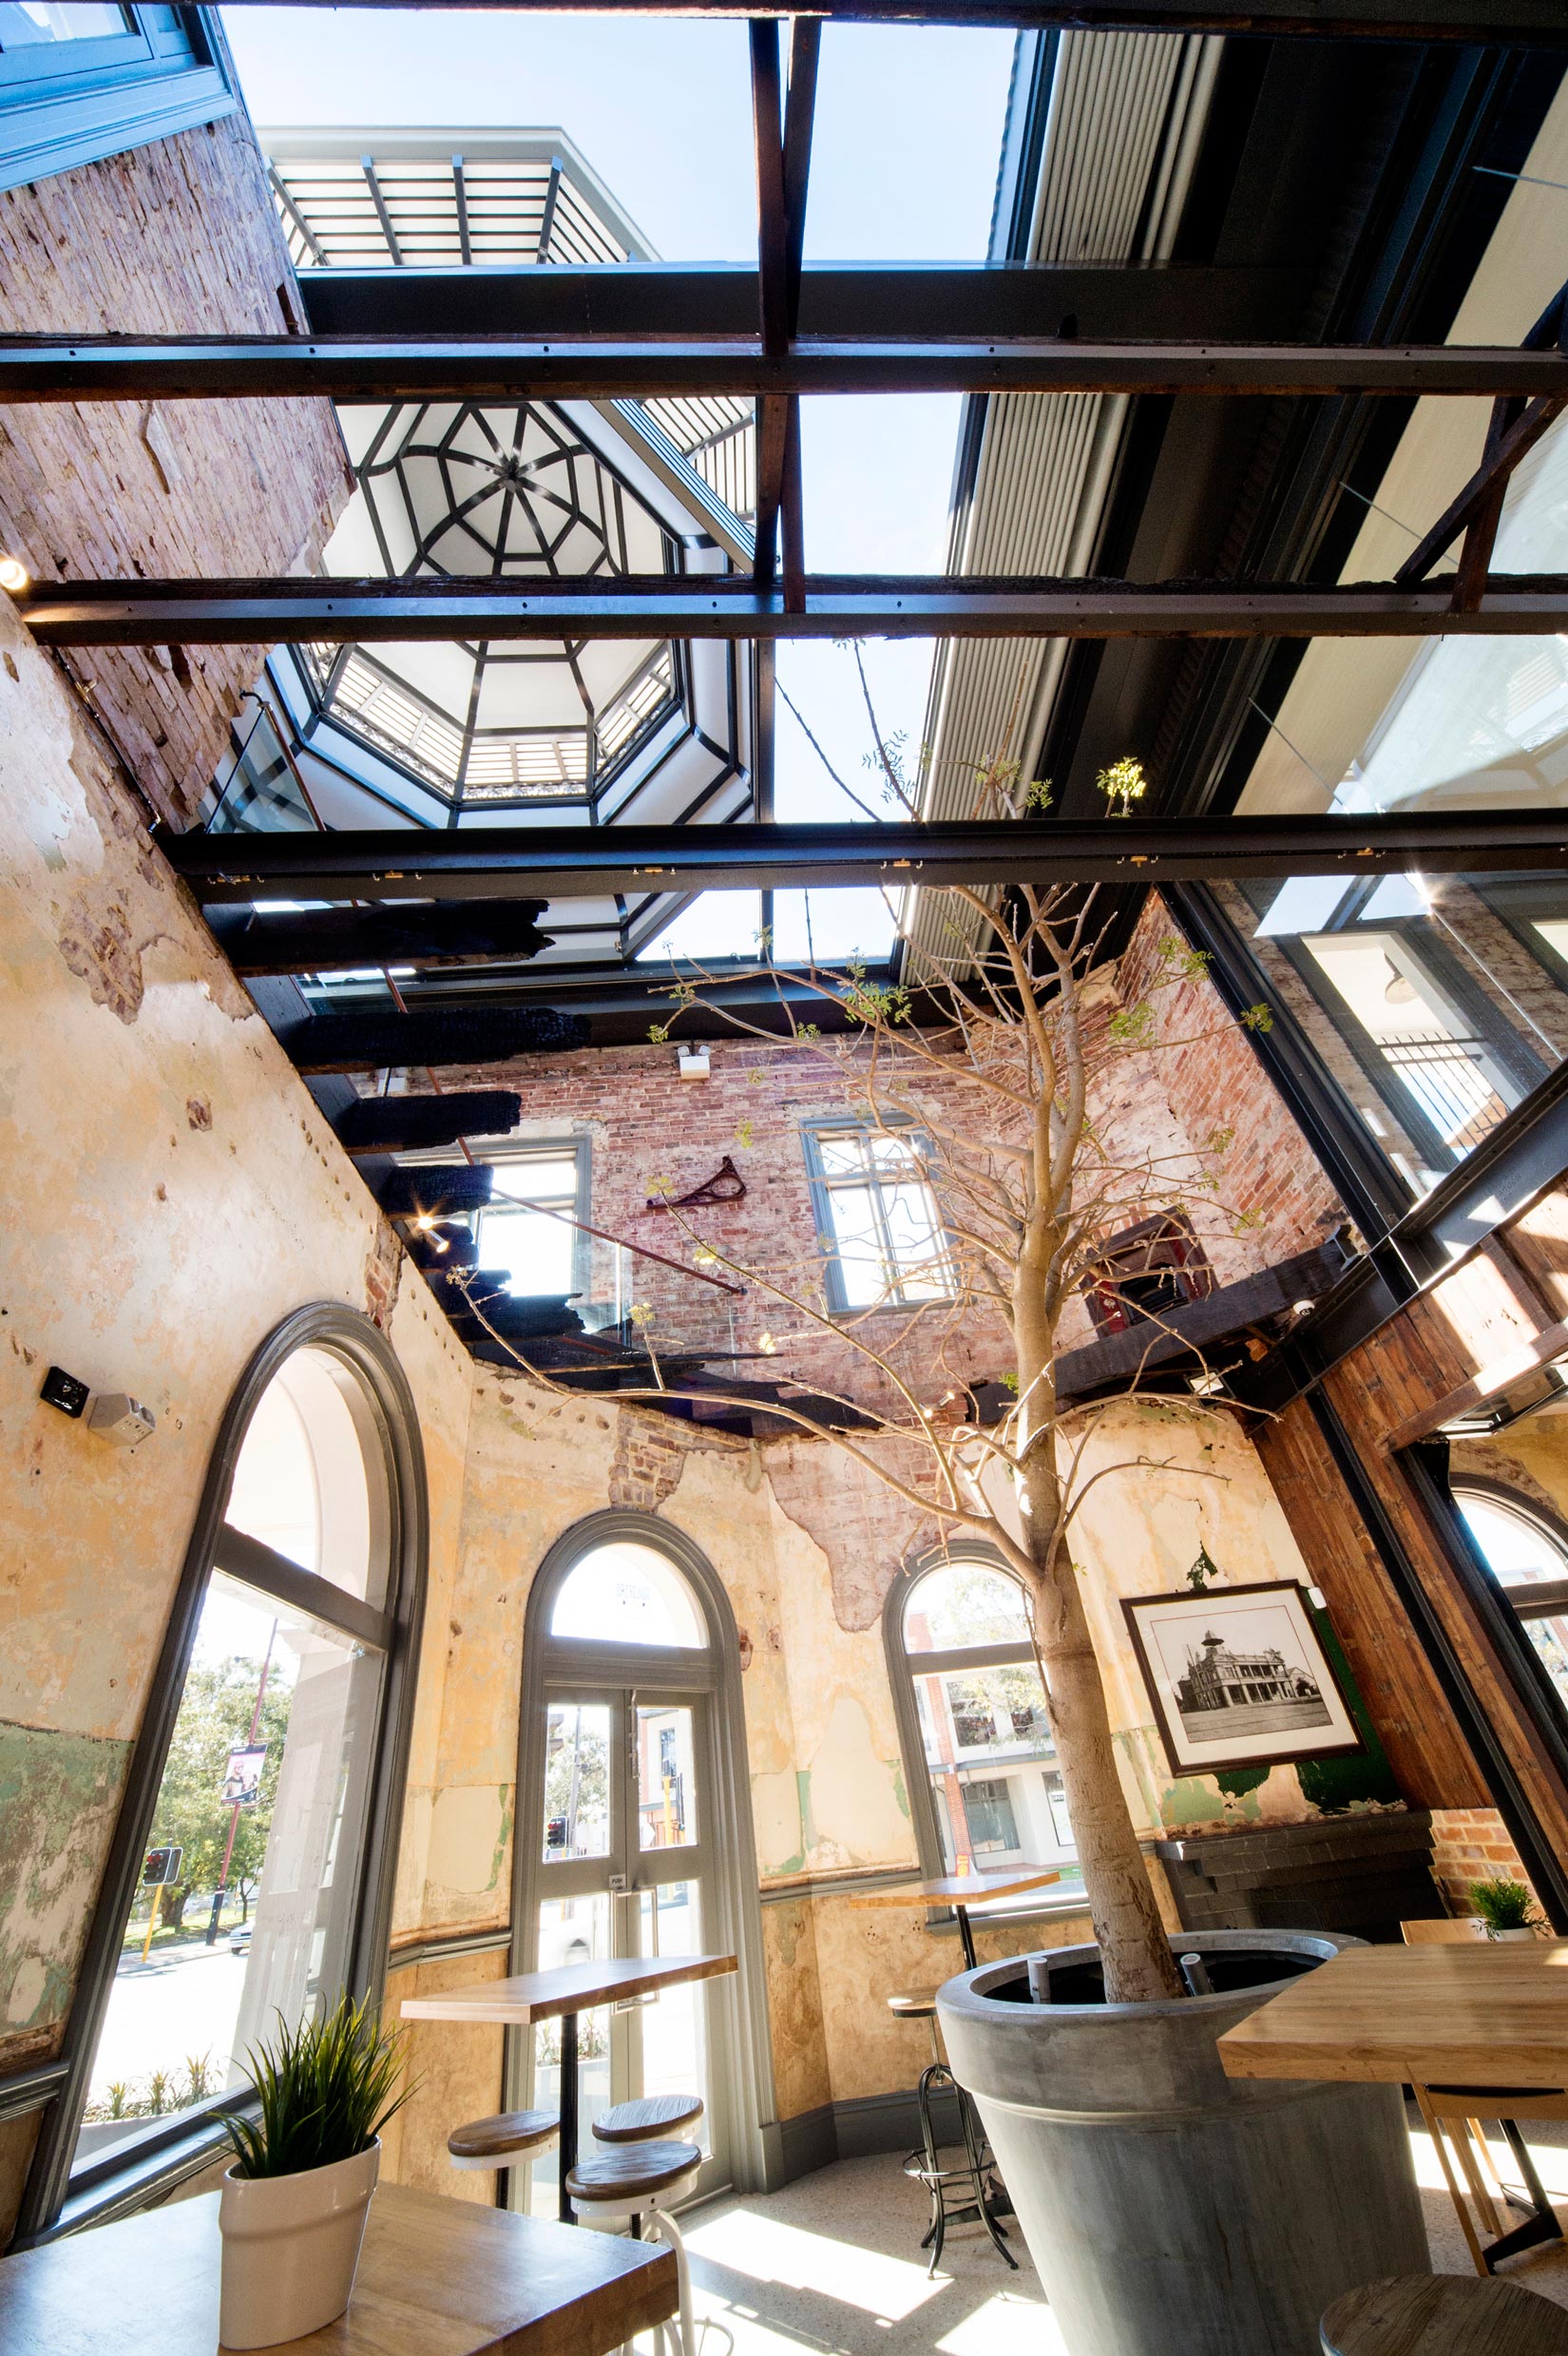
point(637, 2180)
point(971, 2191)
point(502, 2141)
point(1442, 2316)
point(650, 2120)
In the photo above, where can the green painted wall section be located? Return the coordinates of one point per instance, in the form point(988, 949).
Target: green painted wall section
point(58, 1797)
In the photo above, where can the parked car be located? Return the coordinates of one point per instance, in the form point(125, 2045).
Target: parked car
point(239, 1940)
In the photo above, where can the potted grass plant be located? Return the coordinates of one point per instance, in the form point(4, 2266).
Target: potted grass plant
point(1506, 1907)
point(293, 2208)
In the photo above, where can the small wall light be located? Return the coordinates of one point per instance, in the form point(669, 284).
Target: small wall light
point(691, 1056)
point(14, 575)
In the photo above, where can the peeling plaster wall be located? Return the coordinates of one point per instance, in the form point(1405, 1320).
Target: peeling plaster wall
point(172, 1192)
point(829, 1794)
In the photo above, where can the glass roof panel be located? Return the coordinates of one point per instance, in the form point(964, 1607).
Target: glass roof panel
point(923, 190)
point(662, 110)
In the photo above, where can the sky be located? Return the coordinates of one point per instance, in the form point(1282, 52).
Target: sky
point(907, 135)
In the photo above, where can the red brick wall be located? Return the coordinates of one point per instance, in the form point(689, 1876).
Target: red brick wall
point(1471, 1844)
point(1213, 1080)
point(180, 235)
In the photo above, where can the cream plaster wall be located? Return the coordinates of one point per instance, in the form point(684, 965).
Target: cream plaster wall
point(171, 1194)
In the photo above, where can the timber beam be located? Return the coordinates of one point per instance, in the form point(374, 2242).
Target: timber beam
point(409, 367)
point(286, 611)
point(474, 863)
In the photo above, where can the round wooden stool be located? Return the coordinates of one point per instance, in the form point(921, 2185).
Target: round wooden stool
point(502, 2141)
point(1444, 2315)
point(650, 2118)
point(639, 2180)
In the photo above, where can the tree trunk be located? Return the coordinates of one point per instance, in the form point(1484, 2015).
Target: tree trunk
point(1135, 1948)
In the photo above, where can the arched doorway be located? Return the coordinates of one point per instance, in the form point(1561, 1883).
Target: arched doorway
point(635, 1835)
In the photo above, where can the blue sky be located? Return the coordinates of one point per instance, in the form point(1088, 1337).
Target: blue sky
point(909, 127)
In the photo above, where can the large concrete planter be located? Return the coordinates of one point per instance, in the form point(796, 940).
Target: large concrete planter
point(1172, 2210)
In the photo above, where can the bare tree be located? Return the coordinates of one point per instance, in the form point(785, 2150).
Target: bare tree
point(988, 1075)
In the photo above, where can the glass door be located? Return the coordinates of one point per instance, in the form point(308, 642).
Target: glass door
point(620, 1871)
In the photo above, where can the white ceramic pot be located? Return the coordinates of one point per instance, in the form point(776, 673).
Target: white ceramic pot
point(1523, 1932)
point(291, 2245)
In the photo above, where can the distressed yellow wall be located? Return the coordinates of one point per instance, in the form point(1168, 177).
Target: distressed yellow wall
point(171, 1194)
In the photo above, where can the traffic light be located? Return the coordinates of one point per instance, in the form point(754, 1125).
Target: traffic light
point(160, 1865)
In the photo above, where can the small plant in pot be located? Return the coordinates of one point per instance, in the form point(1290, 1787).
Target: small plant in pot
point(1507, 1908)
point(294, 2205)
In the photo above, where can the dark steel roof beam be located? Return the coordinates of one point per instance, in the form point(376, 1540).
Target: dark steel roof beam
point(562, 862)
point(672, 299)
point(352, 368)
point(1518, 23)
point(287, 611)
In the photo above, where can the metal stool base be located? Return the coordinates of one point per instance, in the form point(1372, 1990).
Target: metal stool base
point(967, 2194)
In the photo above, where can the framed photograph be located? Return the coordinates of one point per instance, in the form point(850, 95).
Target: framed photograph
point(1238, 1677)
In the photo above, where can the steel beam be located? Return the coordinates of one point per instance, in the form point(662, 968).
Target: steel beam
point(564, 862)
point(1517, 23)
point(355, 368)
point(857, 301)
point(327, 612)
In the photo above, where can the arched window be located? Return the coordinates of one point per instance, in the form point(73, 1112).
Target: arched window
point(251, 1873)
point(635, 1832)
point(978, 1754)
point(1528, 1554)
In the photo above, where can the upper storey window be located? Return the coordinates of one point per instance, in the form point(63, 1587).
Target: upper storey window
point(80, 80)
point(877, 1218)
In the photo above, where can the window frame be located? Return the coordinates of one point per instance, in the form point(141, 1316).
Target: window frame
point(902, 1673)
point(70, 102)
point(498, 1156)
point(148, 2165)
point(822, 1190)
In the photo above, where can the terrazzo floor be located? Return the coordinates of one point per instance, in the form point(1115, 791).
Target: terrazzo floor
point(832, 2265)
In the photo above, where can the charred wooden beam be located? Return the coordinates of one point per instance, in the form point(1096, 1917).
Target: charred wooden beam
point(406, 1124)
point(1189, 1333)
point(326, 939)
point(430, 1037)
point(437, 1191)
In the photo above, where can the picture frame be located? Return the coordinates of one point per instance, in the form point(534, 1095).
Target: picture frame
point(1239, 1677)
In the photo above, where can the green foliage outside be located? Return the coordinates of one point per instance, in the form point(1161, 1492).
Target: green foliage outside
point(214, 1717)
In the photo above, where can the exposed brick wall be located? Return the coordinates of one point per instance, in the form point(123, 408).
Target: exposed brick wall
point(646, 1125)
point(180, 235)
point(1471, 1844)
point(1213, 1080)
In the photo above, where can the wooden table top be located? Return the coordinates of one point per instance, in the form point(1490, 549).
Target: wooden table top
point(961, 1889)
point(436, 2278)
point(572, 1987)
point(1495, 2014)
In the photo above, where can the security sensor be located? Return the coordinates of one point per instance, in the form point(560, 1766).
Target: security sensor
point(66, 1391)
point(693, 1056)
point(115, 1415)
